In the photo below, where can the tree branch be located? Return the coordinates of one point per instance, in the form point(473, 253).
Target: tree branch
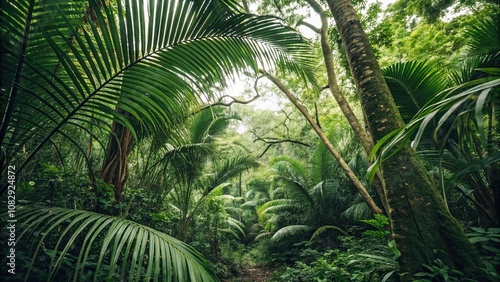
point(310, 26)
point(277, 141)
point(343, 164)
point(221, 103)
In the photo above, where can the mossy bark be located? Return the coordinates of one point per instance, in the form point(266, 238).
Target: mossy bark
point(422, 227)
point(344, 106)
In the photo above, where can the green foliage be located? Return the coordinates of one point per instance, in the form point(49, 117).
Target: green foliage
point(439, 271)
point(155, 62)
point(308, 197)
point(489, 241)
point(320, 270)
point(56, 185)
point(413, 84)
point(347, 264)
point(90, 59)
point(468, 101)
point(74, 241)
point(381, 224)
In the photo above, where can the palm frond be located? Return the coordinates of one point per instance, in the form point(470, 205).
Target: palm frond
point(229, 169)
point(274, 206)
point(357, 212)
point(208, 123)
point(289, 231)
point(322, 163)
point(125, 248)
point(291, 168)
point(236, 224)
point(413, 85)
point(484, 37)
point(470, 98)
point(474, 166)
point(324, 228)
point(150, 60)
point(262, 235)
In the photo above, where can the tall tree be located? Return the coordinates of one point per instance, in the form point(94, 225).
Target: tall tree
point(422, 227)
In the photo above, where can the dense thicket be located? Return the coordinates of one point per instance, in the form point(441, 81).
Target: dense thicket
point(354, 150)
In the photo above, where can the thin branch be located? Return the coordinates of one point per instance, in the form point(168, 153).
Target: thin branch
point(365, 141)
point(345, 167)
point(272, 141)
point(275, 141)
point(316, 114)
point(221, 103)
point(310, 26)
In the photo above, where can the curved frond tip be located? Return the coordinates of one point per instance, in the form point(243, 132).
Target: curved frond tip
point(107, 246)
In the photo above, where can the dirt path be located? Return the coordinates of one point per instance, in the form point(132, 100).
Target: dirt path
point(254, 274)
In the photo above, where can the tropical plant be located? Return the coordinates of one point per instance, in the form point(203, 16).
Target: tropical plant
point(68, 64)
point(101, 247)
point(194, 168)
point(316, 192)
point(408, 190)
point(72, 68)
point(488, 240)
point(455, 125)
point(349, 263)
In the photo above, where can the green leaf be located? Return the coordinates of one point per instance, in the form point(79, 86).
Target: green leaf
point(474, 240)
point(88, 60)
point(118, 236)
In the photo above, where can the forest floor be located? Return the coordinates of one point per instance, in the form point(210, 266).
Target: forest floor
point(254, 273)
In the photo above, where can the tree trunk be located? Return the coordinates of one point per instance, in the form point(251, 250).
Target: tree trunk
point(344, 106)
point(114, 169)
point(345, 167)
point(420, 221)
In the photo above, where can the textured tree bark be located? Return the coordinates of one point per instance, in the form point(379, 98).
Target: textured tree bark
point(114, 169)
point(344, 106)
point(420, 222)
point(356, 126)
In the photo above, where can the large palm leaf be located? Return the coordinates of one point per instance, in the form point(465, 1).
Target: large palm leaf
point(68, 64)
point(413, 85)
point(451, 102)
point(124, 248)
point(477, 81)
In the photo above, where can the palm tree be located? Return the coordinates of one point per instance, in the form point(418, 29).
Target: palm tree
point(148, 61)
point(70, 66)
point(195, 169)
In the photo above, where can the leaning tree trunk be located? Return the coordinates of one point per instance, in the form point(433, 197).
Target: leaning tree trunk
point(420, 221)
point(114, 169)
point(344, 106)
point(345, 167)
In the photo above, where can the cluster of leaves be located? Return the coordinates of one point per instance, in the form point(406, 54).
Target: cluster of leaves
point(350, 262)
point(71, 69)
point(381, 224)
point(488, 241)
